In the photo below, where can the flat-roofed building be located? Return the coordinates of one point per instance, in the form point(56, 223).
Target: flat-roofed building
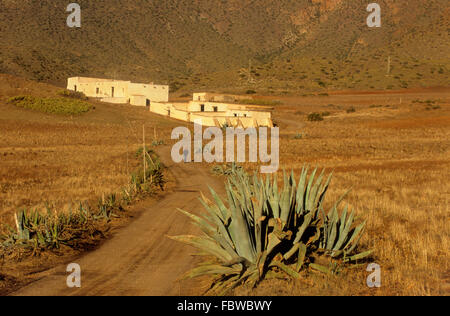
point(120, 91)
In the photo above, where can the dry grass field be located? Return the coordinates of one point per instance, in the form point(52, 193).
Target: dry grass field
point(392, 149)
point(394, 152)
point(61, 159)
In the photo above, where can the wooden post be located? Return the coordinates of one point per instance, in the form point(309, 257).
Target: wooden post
point(144, 151)
point(128, 171)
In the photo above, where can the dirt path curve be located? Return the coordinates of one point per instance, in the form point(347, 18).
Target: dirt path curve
point(139, 259)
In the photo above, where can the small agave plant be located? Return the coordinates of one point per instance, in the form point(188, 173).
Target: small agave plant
point(263, 230)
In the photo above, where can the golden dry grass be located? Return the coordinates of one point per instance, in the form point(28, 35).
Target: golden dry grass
point(396, 159)
point(62, 160)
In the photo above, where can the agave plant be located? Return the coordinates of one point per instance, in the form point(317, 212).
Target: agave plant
point(45, 230)
point(262, 230)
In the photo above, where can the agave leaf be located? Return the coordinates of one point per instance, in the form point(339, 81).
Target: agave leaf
point(210, 269)
point(301, 191)
point(320, 268)
point(301, 256)
point(205, 244)
point(356, 232)
point(289, 271)
point(306, 222)
point(291, 251)
point(221, 239)
point(359, 256)
point(343, 235)
point(308, 201)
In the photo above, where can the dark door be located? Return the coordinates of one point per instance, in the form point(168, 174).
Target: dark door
point(112, 92)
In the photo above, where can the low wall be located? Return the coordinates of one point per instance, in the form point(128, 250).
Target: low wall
point(116, 100)
point(179, 115)
point(160, 108)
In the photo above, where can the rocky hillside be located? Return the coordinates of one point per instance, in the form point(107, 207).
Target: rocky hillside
point(262, 45)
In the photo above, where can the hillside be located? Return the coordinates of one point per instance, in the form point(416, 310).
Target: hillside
point(304, 45)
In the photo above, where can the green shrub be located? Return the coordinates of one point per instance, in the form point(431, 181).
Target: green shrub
point(63, 105)
point(73, 94)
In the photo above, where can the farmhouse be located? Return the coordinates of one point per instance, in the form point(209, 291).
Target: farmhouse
point(211, 109)
point(119, 91)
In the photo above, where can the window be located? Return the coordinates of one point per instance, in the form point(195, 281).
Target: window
point(97, 91)
point(75, 88)
point(235, 115)
point(202, 108)
point(216, 109)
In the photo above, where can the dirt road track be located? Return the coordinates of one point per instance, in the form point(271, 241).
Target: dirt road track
point(140, 259)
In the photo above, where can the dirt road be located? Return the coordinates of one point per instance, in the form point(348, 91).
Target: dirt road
point(140, 259)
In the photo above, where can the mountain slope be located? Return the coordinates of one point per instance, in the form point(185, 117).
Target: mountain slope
point(292, 45)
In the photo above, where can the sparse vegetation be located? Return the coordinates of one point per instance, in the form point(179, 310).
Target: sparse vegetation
point(315, 117)
point(73, 94)
point(260, 102)
point(36, 231)
point(351, 109)
point(64, 106)
point(227, 169)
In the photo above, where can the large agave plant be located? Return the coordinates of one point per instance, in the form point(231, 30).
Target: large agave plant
point(263, 229)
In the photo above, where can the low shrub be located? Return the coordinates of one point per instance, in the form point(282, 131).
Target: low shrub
point(63, 105)
point(73, 94)
point(315, 117)
point(351, 110)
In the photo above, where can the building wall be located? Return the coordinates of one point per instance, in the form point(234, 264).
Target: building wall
point(195, 106)
point(179, 115)
point(138, 100)
point(103, 88)
point(243, 119)
point(155, 93)
point(160, 108)
point(99, 88)
point(116, 100)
